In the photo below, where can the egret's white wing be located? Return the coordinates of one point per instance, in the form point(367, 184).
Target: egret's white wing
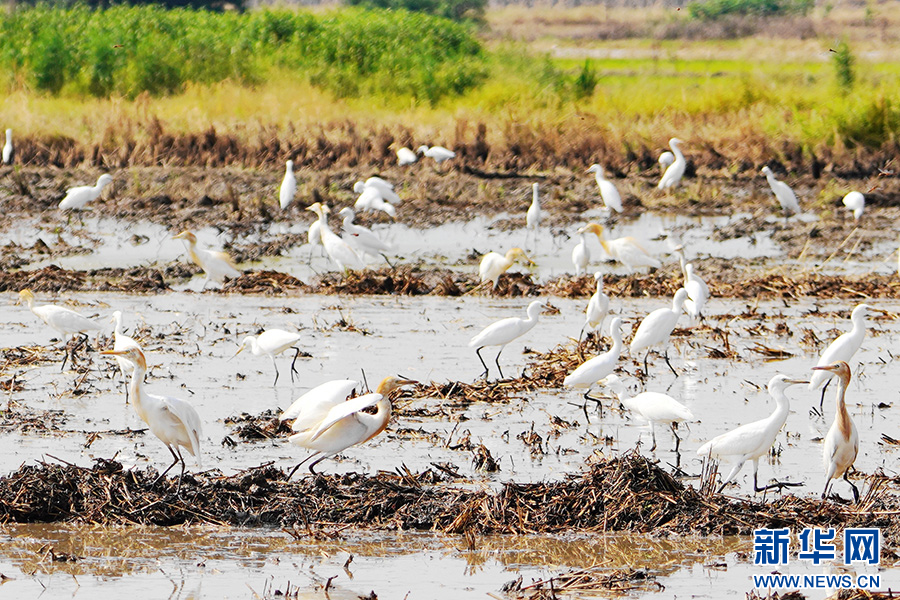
point(311, 407)
point(344, 410)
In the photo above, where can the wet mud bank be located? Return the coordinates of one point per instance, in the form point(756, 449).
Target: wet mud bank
point(627, 493)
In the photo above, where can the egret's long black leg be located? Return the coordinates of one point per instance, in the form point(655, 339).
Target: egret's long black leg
point(293, 363)
point(497, 362)
point(483, 364)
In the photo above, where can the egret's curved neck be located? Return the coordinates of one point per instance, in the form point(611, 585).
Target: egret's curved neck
point(379, 421)
point(859, 322)
point(348, 221)
point(137, 389)
point(617, 341)
point(118, 329)
point(676, 151)
point(842, 417)
point(599, 286)
point(677, 304)
point(782, 408)
point(29, 300)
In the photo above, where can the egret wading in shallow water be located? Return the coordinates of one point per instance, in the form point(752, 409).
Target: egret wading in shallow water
point(590, 372)
point(608, 192)
point(503, 332)
point(216, 265)
point(340, 253)
point(361, 238)
point(581, 254)
point(675, 171)
point(656, 408)
point(272, 342)
point(327, 423)
point(856, 202)
point(77, 197)
point(626, 250)
point(751, 441)
point(314, 233)
point(9, 154)
point(697, 291)
point(597, 308)
point(533, 215)
point(842, 441)
point(438, 153)
point(288, 186)
point(64, 321)
point(494, 264)
point(405, 156)
point(783, 193)
point(656, 328)
point(174, 421)
point(841, 349)
point(122, 342)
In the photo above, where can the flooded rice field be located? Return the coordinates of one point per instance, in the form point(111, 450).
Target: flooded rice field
point(458, 448)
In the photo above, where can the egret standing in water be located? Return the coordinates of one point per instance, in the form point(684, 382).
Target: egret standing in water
point(656, 408)
point(597, 308)
point(174, 421)
point(288, 186)
point(372, 198)
point(64, 321)
point(608, 191)
point(533, 216)
point(698, 293)
point(122, 342)
point(494, 264)
point(592, 371)
point(842, 441)
point(8, 152)
point(856, 202)
point(675, 171)
point(626, 250)
point(581, 254)
point(77, 197)
point(340, 253)
point(503, 332)
point(841, 349)
point(656, 328)
point(272, 342)
point(783, 193)
point(216, 265)
point(751, 441)
point(362, 239)
point(327, 423)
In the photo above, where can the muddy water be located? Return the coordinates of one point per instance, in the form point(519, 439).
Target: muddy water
point(191, 341)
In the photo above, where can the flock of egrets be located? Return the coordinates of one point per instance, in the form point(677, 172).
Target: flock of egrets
point(327, 422)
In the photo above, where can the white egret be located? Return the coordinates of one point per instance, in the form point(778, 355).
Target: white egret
point(371, 198)
point(272, 342)
point(581, 254)
point(122, 342)
point(533, 215)
point(697, 291)
point(656, 328)
point(675, 171)
point(8, 153)
point(405, 156)
point(438, 153)
point(666, 159)
point(216, 265)
point(626, 250)
point(288, 186)
point(314, 233)
point(842, 441)
point(783, 193)
point(494, 264)
point(329, 424)
point(841, 349)
point(597, 308)
point(77, 197)
point(64, 321)
point(593, 370)
point(361, 238)
point(751, 441)
point(608, 191)
point(856, 202)
point(503, 332)
point(328, 393)
point(174, 421)
point(658, 409)
point(384, 187)
point(337, 249)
